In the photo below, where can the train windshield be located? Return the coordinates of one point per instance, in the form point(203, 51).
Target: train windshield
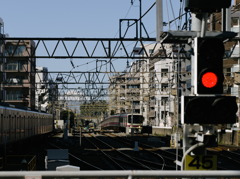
point(136, 119)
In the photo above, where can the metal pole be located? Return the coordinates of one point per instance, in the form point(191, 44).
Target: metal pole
point(80, 136)
point(159, 18)
point(164, 120)
point(199, 25)
point(132, 119)
point(140, 17)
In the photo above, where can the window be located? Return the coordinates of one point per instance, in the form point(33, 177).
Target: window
point(15, 65)
point(164, 87)
point(228, 72)
point(137, 111)
point(17, 50)
point(14, 95)
point(136, 102)
point(164, 72)
point(162, 114)
point(132, 79)
point(11, 66)
point(164, 101)
point(151, 51)
point(133, 86)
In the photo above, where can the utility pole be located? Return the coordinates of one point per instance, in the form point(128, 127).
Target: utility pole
point(159, 19)
point(140, 17)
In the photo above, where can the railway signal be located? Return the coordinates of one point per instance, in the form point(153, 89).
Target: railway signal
point(208, 106)
point(209, 109)
point(208, 61)
point(206, 5)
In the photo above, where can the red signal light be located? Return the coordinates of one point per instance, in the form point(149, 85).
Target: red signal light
point(209, 65)
point(209, 79)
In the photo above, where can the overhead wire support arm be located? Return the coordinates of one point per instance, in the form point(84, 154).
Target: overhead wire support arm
point(129, 25)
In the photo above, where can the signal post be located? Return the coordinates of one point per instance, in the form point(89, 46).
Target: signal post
point(206, 107)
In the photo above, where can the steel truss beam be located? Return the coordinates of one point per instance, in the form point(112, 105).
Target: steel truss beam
point(80, 48)
point(86, 48)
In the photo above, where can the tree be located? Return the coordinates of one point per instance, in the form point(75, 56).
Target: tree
point(93, 109)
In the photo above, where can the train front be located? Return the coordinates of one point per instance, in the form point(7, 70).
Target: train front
point(135, 123)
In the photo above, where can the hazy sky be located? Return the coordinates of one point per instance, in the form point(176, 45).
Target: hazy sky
point(70, 18)
point(78, 18)
point(75, 18)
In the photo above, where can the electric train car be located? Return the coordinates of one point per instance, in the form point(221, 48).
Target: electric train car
point(17, 124)
point(123, 123)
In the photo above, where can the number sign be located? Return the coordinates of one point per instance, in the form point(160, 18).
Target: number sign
point(201, 162)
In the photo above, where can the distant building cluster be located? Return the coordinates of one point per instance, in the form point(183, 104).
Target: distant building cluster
point(150, 88)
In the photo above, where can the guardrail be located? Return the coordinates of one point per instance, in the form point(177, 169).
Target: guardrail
point(139, 174)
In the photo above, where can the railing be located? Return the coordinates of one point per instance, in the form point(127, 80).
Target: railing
point(138, 174)
point(13, 97)
point(15, 162)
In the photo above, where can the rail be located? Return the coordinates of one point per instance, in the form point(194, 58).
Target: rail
point(121, 174)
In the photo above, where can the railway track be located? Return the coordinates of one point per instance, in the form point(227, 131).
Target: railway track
point(154, 158)
point(74, 155)
point(227, 157)
point(122, 158)
point(115, 151)
point(158, 153)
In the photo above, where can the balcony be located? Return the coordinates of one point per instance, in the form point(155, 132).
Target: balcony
point(13, 82)
point(133, 90)
point(165, 108)
point(132, 98)
point(16, 83)
point(16, 97)
point(133, 107)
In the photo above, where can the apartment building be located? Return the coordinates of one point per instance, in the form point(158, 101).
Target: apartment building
point(144, 90)
point(42, 93)
point(165, 92)
point(1, 59)
point(18, 74)
point(124, 92)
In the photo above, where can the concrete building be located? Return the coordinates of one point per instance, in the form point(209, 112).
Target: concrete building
point(124, 93)
point(1, 59)
point(148, 88)
point(165, 92)
point(18, 74)
point(166, 76)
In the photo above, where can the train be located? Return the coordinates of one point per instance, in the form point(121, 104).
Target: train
point(17, 124)
point(123, 123)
